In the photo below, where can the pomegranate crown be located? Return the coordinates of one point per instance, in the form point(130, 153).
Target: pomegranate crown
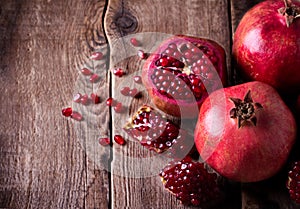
point(290, 11)
point(244, 110)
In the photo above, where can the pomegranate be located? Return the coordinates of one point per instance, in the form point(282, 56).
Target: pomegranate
point(293, 182)
point(157, 133)
point(267, 43)
point(245, 132)
point(190, 182)
point(181, 72)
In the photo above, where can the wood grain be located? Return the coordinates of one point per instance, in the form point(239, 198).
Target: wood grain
point(135, 182)
point(42, 162)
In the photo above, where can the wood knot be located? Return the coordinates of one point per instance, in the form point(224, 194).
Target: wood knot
point(124, 22)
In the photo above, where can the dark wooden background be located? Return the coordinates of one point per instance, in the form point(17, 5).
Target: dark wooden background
point(48, 161)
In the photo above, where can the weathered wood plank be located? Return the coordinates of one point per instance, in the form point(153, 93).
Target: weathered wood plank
point(42, 161)
point(135, 182)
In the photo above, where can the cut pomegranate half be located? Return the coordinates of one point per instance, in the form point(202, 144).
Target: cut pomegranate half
point(181, 73)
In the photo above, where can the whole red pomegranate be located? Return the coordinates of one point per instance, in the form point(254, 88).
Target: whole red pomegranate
point(181, 72)
point(245, 132)
point(267, 43)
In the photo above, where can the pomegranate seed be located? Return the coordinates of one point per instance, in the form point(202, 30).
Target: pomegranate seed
point(95, 98)
point(118, 72)
point(67, 112)
point(137, 79)
point(118, 108)
point(110, 102)
point(119, 139)
point(86, 71)
point(104, 141)
point(134, 42)
point(142, 54)
point(125, 91)
point(94, 78)
point(76, 116)
point(84, 99)
point(77, 98)
point(133, 92)
point(96, 56)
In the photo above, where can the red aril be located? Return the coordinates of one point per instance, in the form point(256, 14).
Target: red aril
point(245, 132)
point(84, 99)
point(266, 44)
point(181, 73)
point(125, 90)
point(76, 116)
point(111, 102)
point(96, 56)
point(119, 72)
point(77, 98)
point(134, 42)
point(95, 98)
point(119, 140)
point(104, 141)
point(94, 78)
point(86, 71)
point(119, 107)
point(67, 112)
point(137, 79)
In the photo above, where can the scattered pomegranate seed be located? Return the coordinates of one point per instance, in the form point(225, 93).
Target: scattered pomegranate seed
point(96, 56)
point(118, 108)
point(118, 72)
point(111, 102)
point(142, 54)
point(77, 98)
point(86, 71)
point(104, 141)
point(67, 112)
point(76, 116)
point(137, 79)
point(94, 78)
point(125, 91)
point(134, 42)
point(119, 139)
point(133, 92)
point(84, 99)
point(95, 98)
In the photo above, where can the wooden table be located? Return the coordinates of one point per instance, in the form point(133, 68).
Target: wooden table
point(48, 161)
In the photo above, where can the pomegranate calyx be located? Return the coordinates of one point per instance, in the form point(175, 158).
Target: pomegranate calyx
point(244, 110)
point(290, 12)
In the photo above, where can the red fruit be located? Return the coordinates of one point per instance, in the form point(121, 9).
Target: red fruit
point(96, 56)
point(142, 54)
point(67, 112)
point(190, 182)
point(157, 133)
point(86, 71)
point(77, 98)
point(245, 132)
point(137, 79)
point(94, 78)
point(181, 71)
point(118, 107)
point(111, 102)
point(118, 72)
point(133, 92)
point(76, 116)
point(293, 182)
point(95, 98)
point(125, 91)
point(134, 42)
point(266, 45)
point(84, 99)
point(119, 140)
point(104, 141)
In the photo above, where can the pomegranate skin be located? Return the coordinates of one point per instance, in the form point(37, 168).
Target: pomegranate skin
point(266, 50)
point(252, 152)
point(181, 108)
